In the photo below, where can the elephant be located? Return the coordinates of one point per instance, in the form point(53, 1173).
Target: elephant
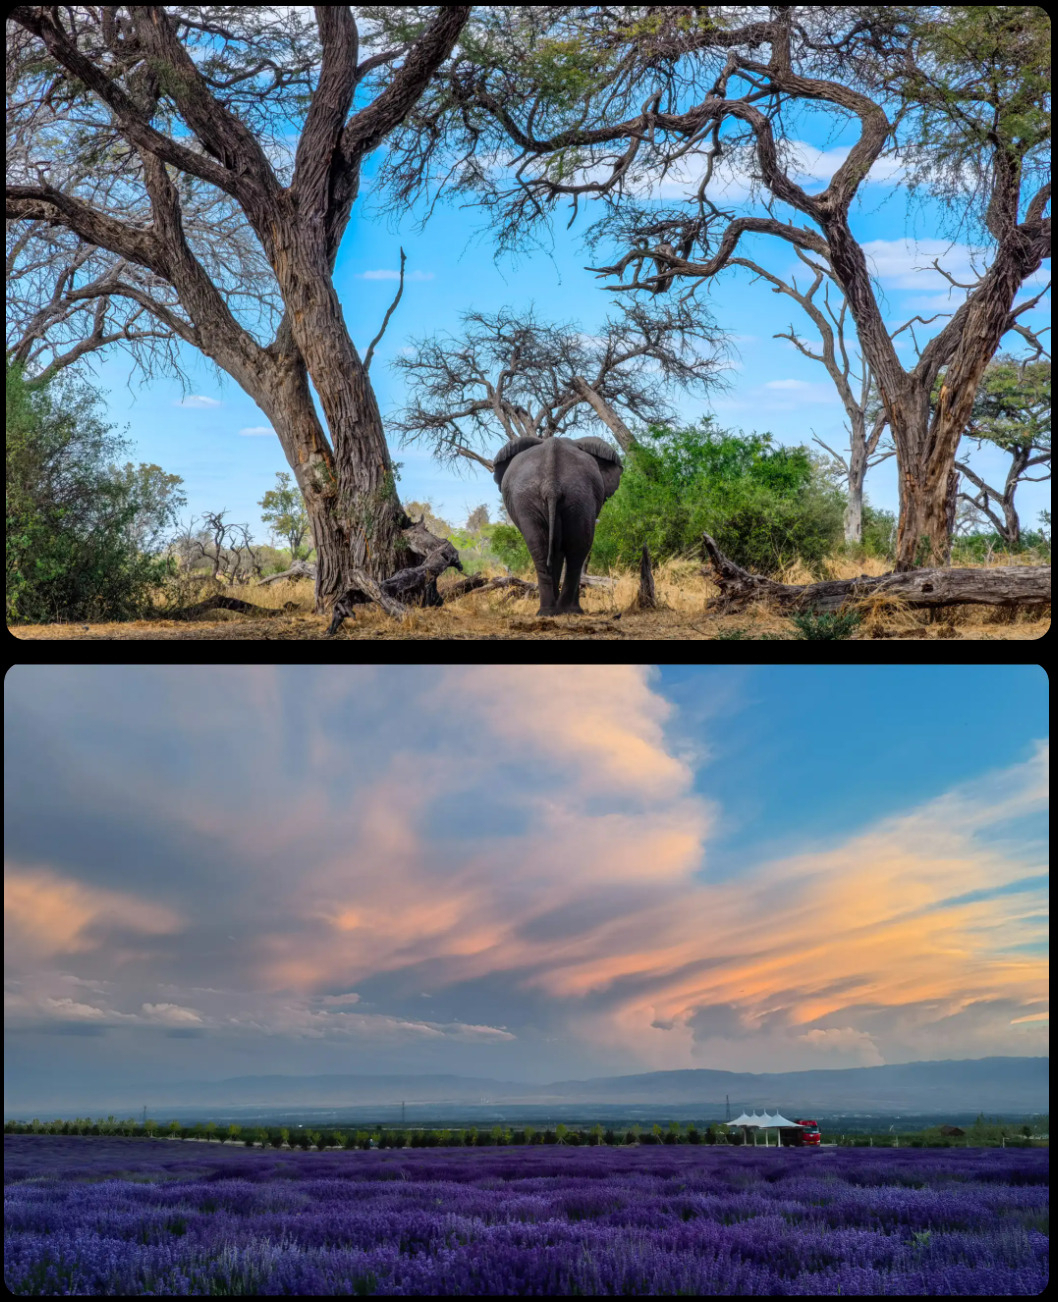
point(553, 490)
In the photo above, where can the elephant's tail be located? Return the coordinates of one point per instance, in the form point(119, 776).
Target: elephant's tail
point(552, 540)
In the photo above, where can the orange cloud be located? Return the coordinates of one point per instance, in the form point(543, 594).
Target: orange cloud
point(602, 720)
point(45, 913)
point(605, 905)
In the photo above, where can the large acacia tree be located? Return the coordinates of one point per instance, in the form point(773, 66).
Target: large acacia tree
point(128, 125)
point(548, 103)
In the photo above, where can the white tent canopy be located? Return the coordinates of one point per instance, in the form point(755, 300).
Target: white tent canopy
point(763, 1122)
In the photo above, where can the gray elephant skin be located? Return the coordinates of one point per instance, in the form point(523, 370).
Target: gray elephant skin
point(553, 490)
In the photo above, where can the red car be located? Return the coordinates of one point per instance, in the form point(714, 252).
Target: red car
point(797, 1138)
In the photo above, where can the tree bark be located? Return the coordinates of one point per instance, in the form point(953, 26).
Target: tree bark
point(1012, 585)
point(857, 474)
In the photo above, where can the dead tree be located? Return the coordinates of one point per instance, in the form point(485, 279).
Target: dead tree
point(219, 601)
point(227, 548)
point(508, 375)
point(855, 387)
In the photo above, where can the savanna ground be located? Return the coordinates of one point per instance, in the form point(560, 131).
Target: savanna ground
point(682, 589)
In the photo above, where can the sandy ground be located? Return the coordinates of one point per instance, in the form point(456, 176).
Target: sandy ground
point(681, 586)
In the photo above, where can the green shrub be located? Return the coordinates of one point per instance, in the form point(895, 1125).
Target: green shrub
point(879, 533)
point(763, 531)
point(812, 627)
point(979, 547)
point(765, 505)
point(508, 546)
point(74, 516)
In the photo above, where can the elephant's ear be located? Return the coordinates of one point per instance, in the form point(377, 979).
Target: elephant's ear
point(607, 458)
point(503, 457)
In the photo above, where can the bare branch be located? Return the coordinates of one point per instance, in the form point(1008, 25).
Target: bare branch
point(385, 321)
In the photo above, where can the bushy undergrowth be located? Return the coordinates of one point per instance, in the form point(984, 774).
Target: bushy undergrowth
point(1035, 547)
point(766, 506)
point(72, 516)
point(491, 545)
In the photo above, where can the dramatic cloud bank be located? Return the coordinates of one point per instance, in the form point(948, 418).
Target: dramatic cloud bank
point(505, 869)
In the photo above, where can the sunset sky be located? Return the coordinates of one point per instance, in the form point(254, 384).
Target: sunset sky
point(519, 872)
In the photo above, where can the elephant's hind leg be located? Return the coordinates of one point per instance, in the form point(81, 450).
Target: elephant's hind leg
point(548, 593)
point(569, 600)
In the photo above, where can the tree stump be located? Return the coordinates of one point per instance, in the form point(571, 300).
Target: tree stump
point(646, 598)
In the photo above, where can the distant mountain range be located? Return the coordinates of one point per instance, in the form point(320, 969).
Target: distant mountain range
point(993, 1085)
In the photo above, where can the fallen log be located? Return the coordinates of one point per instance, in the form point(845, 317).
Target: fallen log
point(416, 583)
point(299, 570)
point(221, 602)
point(478, 583)
point(1004, 585)
point(512, 586)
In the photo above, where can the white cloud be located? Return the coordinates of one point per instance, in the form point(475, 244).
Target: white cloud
point(198, 400)
point(844, 1040)
point(732, 178)
point(906, 263)
point(808, 163)
point(79, 1012)
point(605, 720)
point(789, 394)
point(393, 275)
point(335, 1001)
point(252, 430)
point(171, 1014)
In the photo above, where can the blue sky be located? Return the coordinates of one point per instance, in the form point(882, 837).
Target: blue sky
point(535, 872)
point(219, 441)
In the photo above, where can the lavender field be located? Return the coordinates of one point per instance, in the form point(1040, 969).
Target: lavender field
point(125, 1216)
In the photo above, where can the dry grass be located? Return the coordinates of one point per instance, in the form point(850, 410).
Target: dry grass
point(682, 590)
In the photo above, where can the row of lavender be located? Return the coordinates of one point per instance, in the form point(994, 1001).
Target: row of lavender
point(119, 1216)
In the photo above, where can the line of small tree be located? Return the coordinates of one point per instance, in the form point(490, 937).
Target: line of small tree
point(981, 1133)
point(376, 1137)
point(984, 1132)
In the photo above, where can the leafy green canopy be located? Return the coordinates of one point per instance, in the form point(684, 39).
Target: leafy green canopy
point(283, 508)
point(1013, 405)
point(766, 506)
point(74, 517)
